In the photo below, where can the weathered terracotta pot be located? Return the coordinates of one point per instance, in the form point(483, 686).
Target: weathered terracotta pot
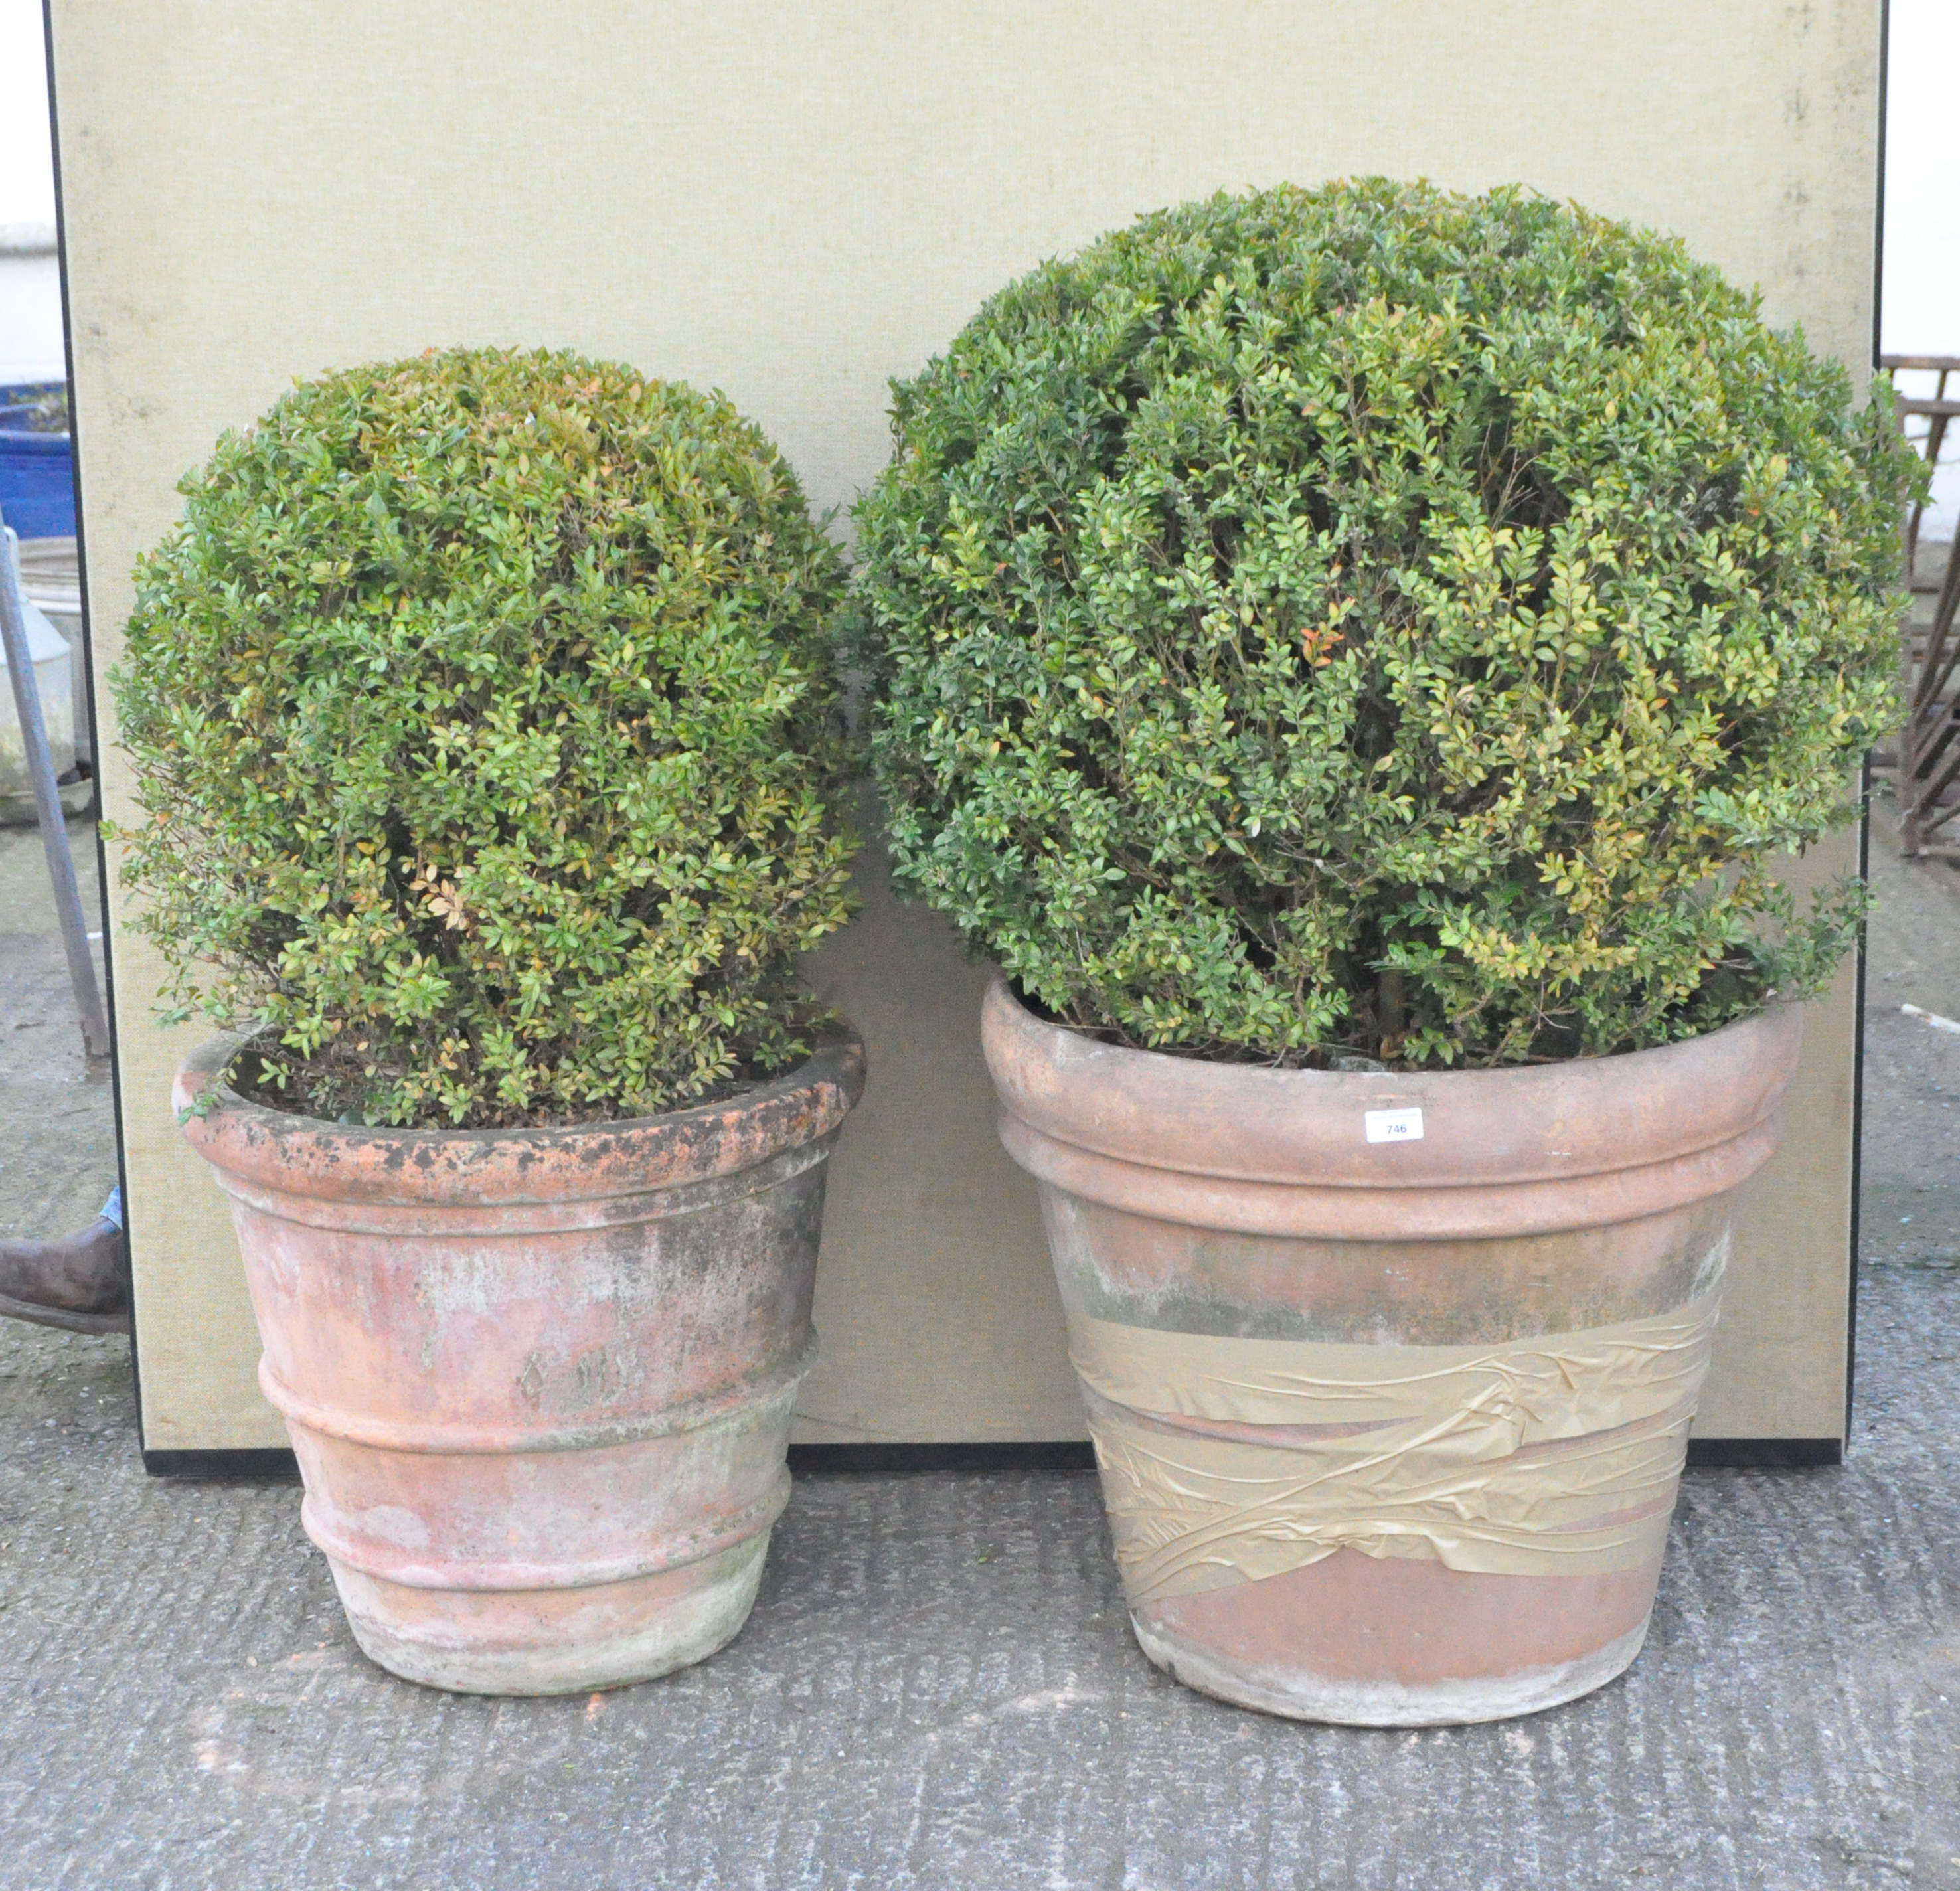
point(1390, 1430)
point(538, 1381)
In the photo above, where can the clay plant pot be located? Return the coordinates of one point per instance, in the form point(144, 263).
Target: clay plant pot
point(1389, 1430)
point(538, 1381)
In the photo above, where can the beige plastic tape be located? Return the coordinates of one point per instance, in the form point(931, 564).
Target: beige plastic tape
point(1227, 1460)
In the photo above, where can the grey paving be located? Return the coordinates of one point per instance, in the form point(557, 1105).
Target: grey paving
point(938, 1688)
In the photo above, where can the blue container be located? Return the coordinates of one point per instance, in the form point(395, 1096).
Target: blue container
point(37, 478)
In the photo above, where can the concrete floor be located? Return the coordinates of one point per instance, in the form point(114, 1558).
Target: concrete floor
point(938, 1688)
point(57, 1125)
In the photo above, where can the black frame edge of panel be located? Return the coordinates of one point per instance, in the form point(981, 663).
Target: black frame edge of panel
point(1878, 230)
point(846, 1460)
point(269, 1463)
point(1853, 1232)
point(1763, 1454)
point(1865, 782)
point(830, 1460)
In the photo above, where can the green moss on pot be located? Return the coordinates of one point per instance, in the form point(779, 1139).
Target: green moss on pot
point(483, 717)
point(1374, 620)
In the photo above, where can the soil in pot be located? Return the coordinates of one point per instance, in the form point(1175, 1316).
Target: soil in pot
point(538, 1381)
point(1390, 1376)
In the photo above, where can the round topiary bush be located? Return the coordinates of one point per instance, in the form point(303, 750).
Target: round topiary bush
point(483, 710)
point(1370, 620)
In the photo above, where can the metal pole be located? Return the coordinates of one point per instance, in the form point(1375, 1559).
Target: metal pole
point(47, 801)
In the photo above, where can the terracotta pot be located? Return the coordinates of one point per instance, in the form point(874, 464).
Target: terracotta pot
point(1390, 1430)
point(538, 1381)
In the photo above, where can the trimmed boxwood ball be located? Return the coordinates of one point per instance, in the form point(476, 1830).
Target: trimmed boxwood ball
point(1374, 621)
point(483, 715)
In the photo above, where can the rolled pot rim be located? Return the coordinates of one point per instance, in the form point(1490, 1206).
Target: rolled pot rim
point(1659, 1127)
point(311, 1155)
point(1362, 1081)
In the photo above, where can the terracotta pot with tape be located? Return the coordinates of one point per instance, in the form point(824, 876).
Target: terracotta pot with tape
point(1390, 1376)
point(538, 1381)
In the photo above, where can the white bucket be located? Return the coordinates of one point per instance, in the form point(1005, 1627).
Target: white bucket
point(51, 575)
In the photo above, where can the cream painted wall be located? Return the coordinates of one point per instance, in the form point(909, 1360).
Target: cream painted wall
point(1920, 292)
point(794, 204)
point(30, 307)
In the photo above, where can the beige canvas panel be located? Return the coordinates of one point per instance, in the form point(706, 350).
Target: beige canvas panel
point(794, 204)
point(1783, 1352)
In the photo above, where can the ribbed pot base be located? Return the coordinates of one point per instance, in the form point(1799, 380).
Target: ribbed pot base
point(538, 1381)
point(554, 1641)
point(1342, 1701)
point(1390, 1374)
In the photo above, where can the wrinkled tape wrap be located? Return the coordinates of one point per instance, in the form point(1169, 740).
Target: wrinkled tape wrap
point(1227, 1460)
